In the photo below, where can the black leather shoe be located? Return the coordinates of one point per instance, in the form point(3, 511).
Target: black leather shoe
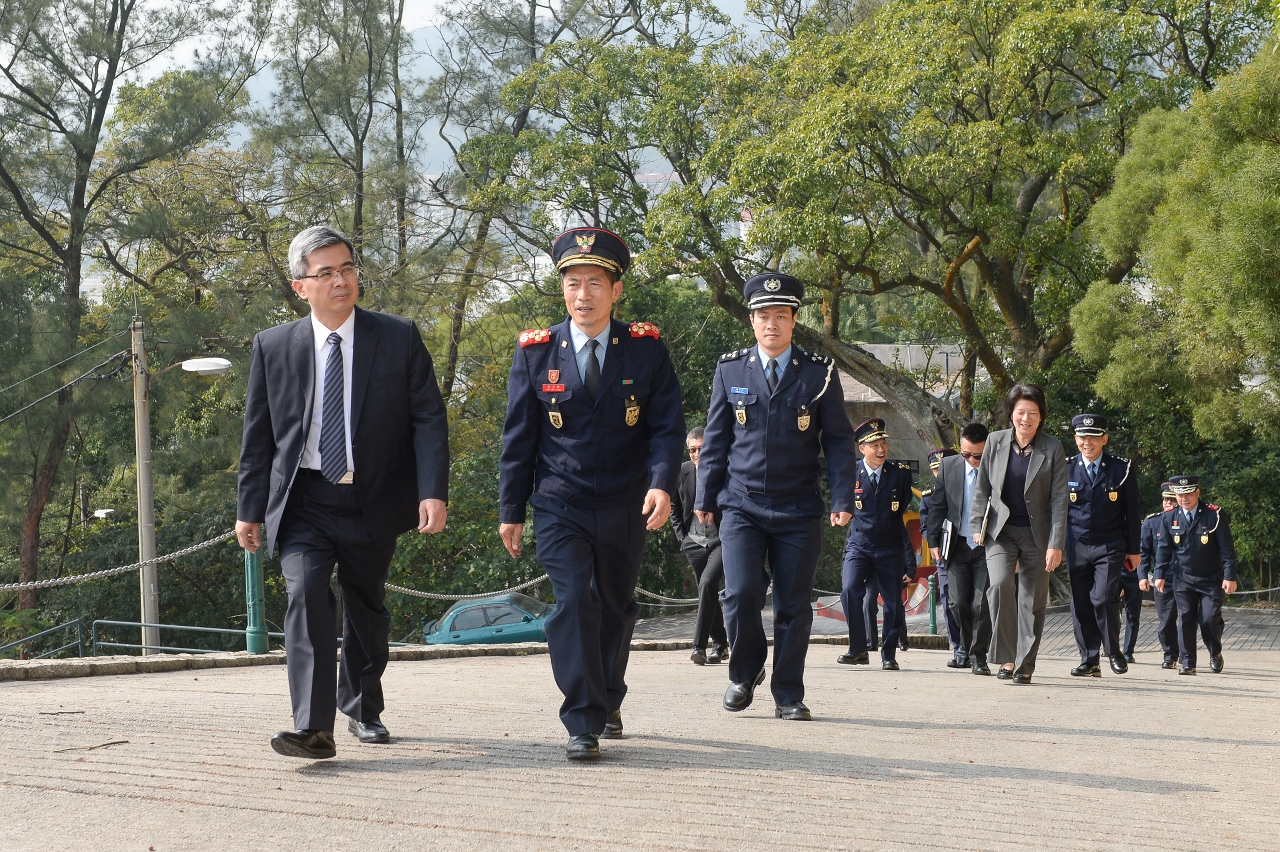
point(1128, 658)
point(1118, 665)
point(980, 667)
point(1086, 670)
point(613, 726)
point(699, 656)
point(372, 731)
point(313, 745)
point(1021, 678)
point(582, 747)
point(863, 659)
point(956, 662)
point(1186, 670)
point(718, 654)
point(904, 643)
point(1169, 663)
point(1216, 663)
point(889, 665)
point(740, 695)
point(1004, 674)
point(795, 712)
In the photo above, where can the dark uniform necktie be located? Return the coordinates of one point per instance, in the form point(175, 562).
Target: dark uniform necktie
point(771, 374)
point(592, 379)
point(333, 428)
point(1093, 471)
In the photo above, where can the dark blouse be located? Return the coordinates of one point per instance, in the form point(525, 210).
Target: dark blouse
point(1014, 492)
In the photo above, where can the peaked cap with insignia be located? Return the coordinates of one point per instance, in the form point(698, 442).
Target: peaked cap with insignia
point(1166, 490)
point(1184, 484)
point(937, 455)
point(870, 430)
point(593, 247)
point(1090, 425)
point(769, 289)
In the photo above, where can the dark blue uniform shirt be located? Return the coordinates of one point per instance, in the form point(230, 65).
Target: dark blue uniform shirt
point(559, 442)
point(1106, 510)
point(877, 510)
point(1152, 532)
point(1203, 548)
point(767, 446)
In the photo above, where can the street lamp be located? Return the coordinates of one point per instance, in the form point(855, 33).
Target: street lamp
point(148, 575)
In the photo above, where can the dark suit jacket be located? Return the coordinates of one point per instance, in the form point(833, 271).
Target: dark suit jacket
point(400, 434)
point(683, 521)
point(1045, 492)
point(947, 499)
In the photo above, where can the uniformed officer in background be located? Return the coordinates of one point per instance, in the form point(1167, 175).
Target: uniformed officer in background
point(1197, 549)
point(775, 411)
point(877, 544)
point(935, 458)
point(592, 440)
point(1166, 606)
point(1103, 522)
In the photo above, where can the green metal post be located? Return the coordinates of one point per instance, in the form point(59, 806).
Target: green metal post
point(933, 604)
point(255, 639)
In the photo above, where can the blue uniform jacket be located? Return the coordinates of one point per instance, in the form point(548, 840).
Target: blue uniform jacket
point(877, 512)
point(1152, 532)
point(559, 443)
point(766, 447)
point(1205, 549)
point(1107, 510)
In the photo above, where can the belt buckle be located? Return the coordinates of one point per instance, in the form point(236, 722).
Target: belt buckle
point(347, 478)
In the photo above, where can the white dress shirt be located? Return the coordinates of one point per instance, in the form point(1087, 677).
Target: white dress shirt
point(311, 452)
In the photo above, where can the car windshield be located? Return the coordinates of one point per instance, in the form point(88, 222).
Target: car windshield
point(533, 606)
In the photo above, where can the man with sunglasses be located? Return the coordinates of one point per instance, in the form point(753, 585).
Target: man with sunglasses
point(966, 564)
point(700, 544)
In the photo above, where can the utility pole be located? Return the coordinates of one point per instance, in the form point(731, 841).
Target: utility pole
point(148, 575)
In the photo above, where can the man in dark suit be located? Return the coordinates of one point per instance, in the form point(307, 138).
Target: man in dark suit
point(935, 458)
point(592, 441)
point(700, 544)
point(966, 563)
point(1166, 605)
point(346, 446)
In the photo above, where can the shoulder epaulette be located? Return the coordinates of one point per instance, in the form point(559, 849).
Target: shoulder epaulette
point(645, 329)
point(534, 335)
point(735, 355)
point(1070, 459)
point(1214, 506)
point(926, 492)
point(903, 466)
point(1153, 515)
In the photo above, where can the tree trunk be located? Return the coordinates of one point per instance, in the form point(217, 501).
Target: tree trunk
point(402, 163)
point(968, 377)
point(460, 305)
point(41, 489)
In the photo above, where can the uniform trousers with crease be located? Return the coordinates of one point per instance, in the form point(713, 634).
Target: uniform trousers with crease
point(1017, 600)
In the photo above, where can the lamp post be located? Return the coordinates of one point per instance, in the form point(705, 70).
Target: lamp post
point(148, 575)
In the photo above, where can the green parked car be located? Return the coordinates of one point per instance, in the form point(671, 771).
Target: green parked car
point(512, 617)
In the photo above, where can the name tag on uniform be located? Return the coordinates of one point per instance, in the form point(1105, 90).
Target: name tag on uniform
point(739, 390)
point(553, 388)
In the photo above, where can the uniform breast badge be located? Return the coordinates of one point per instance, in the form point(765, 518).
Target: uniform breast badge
point(553, 377)
point(802, 422)
point(557, 420)
point(740, 412)
point(1114, 495)
point(633, 411)
point(1073, 496)
point(893, 507)
point(1204, 538)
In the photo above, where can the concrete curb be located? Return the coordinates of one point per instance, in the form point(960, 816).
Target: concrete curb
point(120, 665)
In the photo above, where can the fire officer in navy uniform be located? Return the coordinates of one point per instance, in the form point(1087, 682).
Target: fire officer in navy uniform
point(878, 544)
point(1196, 551)
point(775, 411)
point(1166, 606)
point(592, 441)
point(935, 458)
point(1103, 522)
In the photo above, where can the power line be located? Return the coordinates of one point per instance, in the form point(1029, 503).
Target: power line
point(122, 357)
point(60, 363)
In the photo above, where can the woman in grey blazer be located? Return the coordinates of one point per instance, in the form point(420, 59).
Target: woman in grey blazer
point(1020, 506)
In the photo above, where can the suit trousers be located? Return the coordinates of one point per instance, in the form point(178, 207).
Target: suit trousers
point(592, 556)
point(708, 569)
point(862, 565)
point(1131, 598)
point(1167, 621)
point(790, 536)
point(323, 524)
point(1017, 600)
point(967, 578)
point(948, 612)
point(1199, 603)
point(1094, 571)
point(870, 611)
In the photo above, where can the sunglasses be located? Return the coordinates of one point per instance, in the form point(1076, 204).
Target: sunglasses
point(965, 455)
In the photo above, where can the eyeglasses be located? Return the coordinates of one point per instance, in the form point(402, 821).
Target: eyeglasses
point(347, 271)
point(693, 451)
point(965, 455)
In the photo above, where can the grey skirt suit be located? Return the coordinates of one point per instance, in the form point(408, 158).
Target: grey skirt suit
point(1018, 599)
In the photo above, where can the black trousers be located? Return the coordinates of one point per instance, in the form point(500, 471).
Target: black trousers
point(708, 569)
point(1131, 598)
point(884, 569)
point(592, 556)
point(968, 581)
point(1199, 603)
point(1167, 621)
point(323, 524)
point(1094, 571)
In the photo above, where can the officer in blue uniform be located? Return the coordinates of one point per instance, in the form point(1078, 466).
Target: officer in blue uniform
point(775, 411)
point(935, 458)
point(1166, 606)
point(593, 440)
point(1197, 550)
point(1103, 522)
point(877, 545)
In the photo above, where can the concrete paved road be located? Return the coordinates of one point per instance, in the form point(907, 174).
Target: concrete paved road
point(927, 758)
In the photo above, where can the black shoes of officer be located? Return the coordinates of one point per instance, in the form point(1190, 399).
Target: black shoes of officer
point(863, 659)
point(1021, 678)
point(958, 661)
point(904, 643)
point(795, 712)
point(1128, 658)
point(699, 656)
point(1186, 669)
point(1169, 663)
point(372, 731)
point(583, 747)
point(980, 666)
point(613, 726)
point(1118, 665)
point(1086, 670)
point(889, 665)
point(311, 744)
point(740, 695)
point(1004, 674)
point(719, 654)
point(1215, 664)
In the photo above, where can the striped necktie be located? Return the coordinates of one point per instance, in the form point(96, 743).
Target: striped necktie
point(333, 428)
